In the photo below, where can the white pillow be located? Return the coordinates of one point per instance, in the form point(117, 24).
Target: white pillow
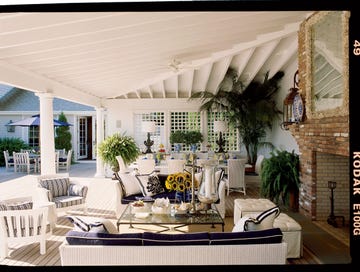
point(239, 226)
point(150, 185)
point(129, 184)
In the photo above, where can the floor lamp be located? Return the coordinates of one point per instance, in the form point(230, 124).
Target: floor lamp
point(220, 126)
point(149, 127)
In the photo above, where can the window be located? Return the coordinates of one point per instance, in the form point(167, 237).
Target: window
point(34, 136)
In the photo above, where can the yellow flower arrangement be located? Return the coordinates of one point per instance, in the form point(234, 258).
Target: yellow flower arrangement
point(180, 181)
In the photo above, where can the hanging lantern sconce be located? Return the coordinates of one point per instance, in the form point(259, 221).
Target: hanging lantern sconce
point(293, 106)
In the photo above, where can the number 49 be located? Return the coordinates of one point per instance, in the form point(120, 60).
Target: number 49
point(356, 50)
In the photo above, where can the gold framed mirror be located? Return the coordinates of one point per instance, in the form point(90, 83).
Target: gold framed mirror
point(327, 64)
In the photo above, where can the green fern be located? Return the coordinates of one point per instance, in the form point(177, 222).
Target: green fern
point(280, 175)
point(116, 145)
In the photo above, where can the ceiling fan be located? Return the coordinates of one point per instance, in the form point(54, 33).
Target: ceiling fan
point(176, 65)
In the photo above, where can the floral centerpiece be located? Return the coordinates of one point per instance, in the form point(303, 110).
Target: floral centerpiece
point(181, 183)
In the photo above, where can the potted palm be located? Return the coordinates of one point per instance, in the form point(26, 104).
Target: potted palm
point(118, 145)
point(251, 109)
point(280, 178)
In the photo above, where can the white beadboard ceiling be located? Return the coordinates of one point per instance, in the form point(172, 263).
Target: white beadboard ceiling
point(89, 57)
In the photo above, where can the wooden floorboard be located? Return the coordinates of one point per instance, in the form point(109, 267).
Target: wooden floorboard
point(100, 206)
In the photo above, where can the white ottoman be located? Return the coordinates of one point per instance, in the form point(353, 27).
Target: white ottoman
point(292, 231)
point(249, 206)
point(292, 234)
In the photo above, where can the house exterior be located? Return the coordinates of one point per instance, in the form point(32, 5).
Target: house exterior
point(17, 104)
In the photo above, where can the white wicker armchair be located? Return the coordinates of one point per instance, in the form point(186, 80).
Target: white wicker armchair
point(60, 190)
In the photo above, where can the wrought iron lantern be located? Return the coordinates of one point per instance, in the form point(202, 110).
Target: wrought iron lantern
point(293, 107)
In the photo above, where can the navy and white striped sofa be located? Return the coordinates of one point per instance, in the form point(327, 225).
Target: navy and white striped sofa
point(60, 190)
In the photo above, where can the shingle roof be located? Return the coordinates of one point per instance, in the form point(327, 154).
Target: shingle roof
point(4, 89)
point(15, 99)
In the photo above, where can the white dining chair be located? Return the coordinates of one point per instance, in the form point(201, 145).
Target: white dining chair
point(175, 165)
point(9, 160)
point(145, 166)
point(236, 175)
point(64, 163)
point(22, 162)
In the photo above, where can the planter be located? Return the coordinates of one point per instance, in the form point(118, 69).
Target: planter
point(183, 196)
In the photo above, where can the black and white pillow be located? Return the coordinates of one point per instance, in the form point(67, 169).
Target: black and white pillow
point(92, 224)
point(264, 220)
point(150, 185)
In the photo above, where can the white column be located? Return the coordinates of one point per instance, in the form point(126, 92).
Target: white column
point(100, 135)
point(47, 142)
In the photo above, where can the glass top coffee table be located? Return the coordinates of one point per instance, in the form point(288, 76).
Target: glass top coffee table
point(167, 221)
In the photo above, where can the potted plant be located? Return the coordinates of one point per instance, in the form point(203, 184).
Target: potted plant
point(280, 178)
point(251, 109)
point(115, 145)
point(177, 138)
point(193, 138)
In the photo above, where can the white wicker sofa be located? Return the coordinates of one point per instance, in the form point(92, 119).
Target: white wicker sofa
point(202, 248)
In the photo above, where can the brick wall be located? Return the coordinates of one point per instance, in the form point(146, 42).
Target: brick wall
point(317, 139)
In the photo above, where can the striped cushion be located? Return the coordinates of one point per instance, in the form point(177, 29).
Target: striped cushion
point(269, 236)
point(3, 207)
point(194, 238)
point(20, 206)
point(77, 190)
point(66, 201)
point(57, 186)
point(91, 238)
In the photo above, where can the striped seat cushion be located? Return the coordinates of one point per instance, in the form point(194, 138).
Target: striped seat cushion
point(66, 201)
point(56, 186)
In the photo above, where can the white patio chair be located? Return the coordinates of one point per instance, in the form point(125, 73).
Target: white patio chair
point(23, 227)
point(175, 165)
point(123, 168)
point(22, 162)
point(236, 175)
point(64, 164)
point(9, 160)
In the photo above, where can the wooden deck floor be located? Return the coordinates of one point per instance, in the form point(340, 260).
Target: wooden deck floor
point(101, 204)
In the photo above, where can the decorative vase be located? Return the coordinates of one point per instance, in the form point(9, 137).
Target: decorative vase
point(177, 147)
point(208, 192)
point(193, 148)
point(184, 196)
